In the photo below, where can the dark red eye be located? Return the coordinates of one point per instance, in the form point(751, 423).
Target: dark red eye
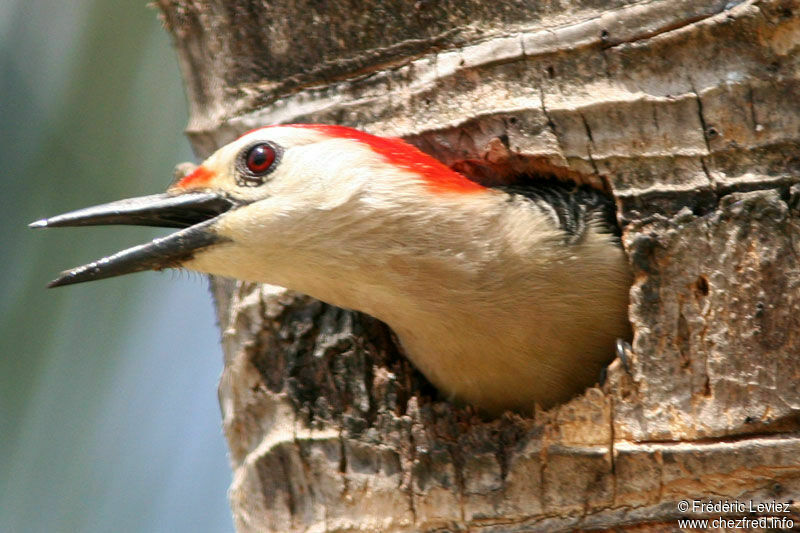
point(259, 158)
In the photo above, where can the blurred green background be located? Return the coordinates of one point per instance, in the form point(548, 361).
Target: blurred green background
point(108, 410)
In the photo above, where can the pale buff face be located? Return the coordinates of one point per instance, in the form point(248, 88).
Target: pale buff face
point(330, 205)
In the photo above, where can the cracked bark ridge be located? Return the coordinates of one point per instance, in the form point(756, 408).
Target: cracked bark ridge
point(684, 109)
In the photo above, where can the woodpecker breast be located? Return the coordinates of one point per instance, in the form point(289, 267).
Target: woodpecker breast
point(536, 318)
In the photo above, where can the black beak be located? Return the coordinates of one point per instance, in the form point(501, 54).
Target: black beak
point(194, 212)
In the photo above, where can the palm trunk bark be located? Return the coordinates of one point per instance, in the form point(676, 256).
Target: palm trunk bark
point(685, 110)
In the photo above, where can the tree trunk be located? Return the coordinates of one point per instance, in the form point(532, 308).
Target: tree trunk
point(687, 110)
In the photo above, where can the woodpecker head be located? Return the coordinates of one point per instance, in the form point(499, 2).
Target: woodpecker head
point(303, 188)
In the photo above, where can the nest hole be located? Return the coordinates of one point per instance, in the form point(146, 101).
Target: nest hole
point(492, 160)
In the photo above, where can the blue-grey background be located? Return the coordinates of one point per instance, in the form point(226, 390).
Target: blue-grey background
point(108, 411)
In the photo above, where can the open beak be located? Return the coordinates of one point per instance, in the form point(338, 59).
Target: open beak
point(194, 212)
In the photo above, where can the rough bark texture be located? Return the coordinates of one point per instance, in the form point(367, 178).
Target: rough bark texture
point(686, 109)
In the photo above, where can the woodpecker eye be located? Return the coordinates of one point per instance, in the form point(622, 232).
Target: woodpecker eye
point(259, 159)
point(255, 162)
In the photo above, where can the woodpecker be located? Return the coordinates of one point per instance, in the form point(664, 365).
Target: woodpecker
point(503, 297)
